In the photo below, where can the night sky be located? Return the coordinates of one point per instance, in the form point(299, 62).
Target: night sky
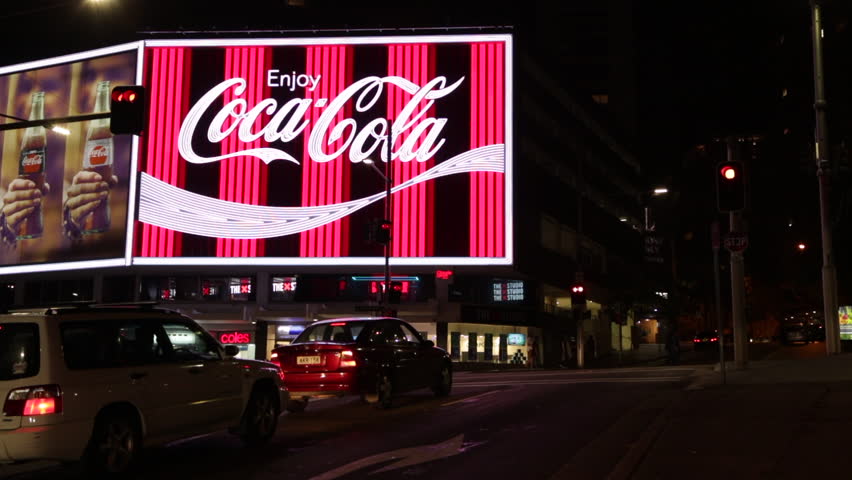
point(704, 69)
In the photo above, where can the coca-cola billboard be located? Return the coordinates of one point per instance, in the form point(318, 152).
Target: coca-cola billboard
point(64, 195)
point(257, 151)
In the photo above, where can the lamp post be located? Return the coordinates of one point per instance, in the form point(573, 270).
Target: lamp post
point(829, 273)
point(387, 177)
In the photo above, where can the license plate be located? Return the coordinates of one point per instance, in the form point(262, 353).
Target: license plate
point(312, 360)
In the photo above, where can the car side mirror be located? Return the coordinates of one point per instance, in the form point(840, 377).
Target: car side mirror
point(427, 344)
point(232, 350)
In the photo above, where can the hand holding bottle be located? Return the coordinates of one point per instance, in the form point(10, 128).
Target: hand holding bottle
point(87, 192)
point(21, 199)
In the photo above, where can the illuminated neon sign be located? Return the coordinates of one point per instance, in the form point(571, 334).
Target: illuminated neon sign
point(317, 120)
point(234, 338)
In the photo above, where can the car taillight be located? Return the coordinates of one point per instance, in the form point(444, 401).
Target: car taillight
point(347, 359)
point(696, 340)
point(30, 401)
point(714, 339)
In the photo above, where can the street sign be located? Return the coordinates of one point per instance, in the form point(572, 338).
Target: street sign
point(653, 248)
point(714, 236)
point(736, 241)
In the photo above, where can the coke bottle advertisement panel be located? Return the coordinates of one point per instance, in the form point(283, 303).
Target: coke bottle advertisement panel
point(256, 151)
point(64, 197)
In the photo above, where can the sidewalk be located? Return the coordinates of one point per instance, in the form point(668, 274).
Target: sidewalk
point(776, 419)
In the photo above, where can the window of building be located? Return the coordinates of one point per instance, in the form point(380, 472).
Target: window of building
point(58, 291)
point(284, 289)
point(549, 233)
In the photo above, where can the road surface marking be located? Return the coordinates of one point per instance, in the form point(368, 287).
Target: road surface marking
point(568, 381)
point(469, 399)
point(405, 457)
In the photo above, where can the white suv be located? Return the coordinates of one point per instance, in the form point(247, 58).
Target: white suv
point(95, 383)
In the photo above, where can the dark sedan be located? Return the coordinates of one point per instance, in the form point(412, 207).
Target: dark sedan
point(372, 357)
point(708, 339)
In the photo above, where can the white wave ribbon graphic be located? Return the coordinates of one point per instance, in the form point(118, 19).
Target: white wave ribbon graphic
point(164, 205)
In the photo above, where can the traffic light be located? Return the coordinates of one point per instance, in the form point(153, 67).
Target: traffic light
point(395, 292)
point(128, 110)
point(383, 232)
point(730, 186)
point(578, 296)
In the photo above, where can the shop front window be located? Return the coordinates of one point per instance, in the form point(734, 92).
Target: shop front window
point(228, 289)
point(284, 289)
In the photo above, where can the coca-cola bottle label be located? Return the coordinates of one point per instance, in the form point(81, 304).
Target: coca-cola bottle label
point(32, 161)
point(98, 153)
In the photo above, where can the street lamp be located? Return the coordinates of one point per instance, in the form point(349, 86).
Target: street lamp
point(657, 192)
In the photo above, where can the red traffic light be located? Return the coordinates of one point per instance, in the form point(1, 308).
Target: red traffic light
point(127, 96)
point(728, 172)
point(577, 289)
point(386, 225)
point(128, 110)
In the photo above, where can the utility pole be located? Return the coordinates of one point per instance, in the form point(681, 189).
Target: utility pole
point(579, 311)
point(829, 274)
point(737, 283)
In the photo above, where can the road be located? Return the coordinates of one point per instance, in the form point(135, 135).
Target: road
point(541, 424)
point(525, 424)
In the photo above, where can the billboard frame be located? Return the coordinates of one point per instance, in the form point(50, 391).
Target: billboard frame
point(506, 260)
point(119, 261)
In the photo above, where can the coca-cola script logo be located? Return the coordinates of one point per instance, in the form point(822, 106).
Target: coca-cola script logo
point(168, 206)
point(288, 121)
point(32, 161)
point(98, 155)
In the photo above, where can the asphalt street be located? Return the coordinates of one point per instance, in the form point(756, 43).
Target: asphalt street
point(640, 422)
point(525, 422)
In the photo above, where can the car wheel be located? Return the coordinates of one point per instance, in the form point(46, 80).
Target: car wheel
point(297, 406)
point(260, 419)
point(114, 446)
point(384, 391)
point(445, 382)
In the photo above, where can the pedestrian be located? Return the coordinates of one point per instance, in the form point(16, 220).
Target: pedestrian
point(673, 346)
point(533, 353)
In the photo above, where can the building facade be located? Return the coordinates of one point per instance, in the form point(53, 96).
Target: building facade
point(247, 205)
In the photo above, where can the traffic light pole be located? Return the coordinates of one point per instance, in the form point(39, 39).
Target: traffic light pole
point(720, 327)
point(581, 344)
point(829, 274)
point(737, 285)
point(388, 217)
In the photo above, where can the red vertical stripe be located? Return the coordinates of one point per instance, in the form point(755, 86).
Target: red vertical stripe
point(474, 123)
point(169, 91)
point(487, 117)
point(413, 208)
point(327, 182)
point(243, 179)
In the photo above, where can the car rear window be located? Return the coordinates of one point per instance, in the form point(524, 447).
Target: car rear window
point(19, 350)
point(337, 332)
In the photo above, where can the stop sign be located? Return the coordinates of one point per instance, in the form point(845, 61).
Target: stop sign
point(736, 241)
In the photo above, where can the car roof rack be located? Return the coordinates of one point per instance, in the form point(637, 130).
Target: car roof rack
point(56, 308)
